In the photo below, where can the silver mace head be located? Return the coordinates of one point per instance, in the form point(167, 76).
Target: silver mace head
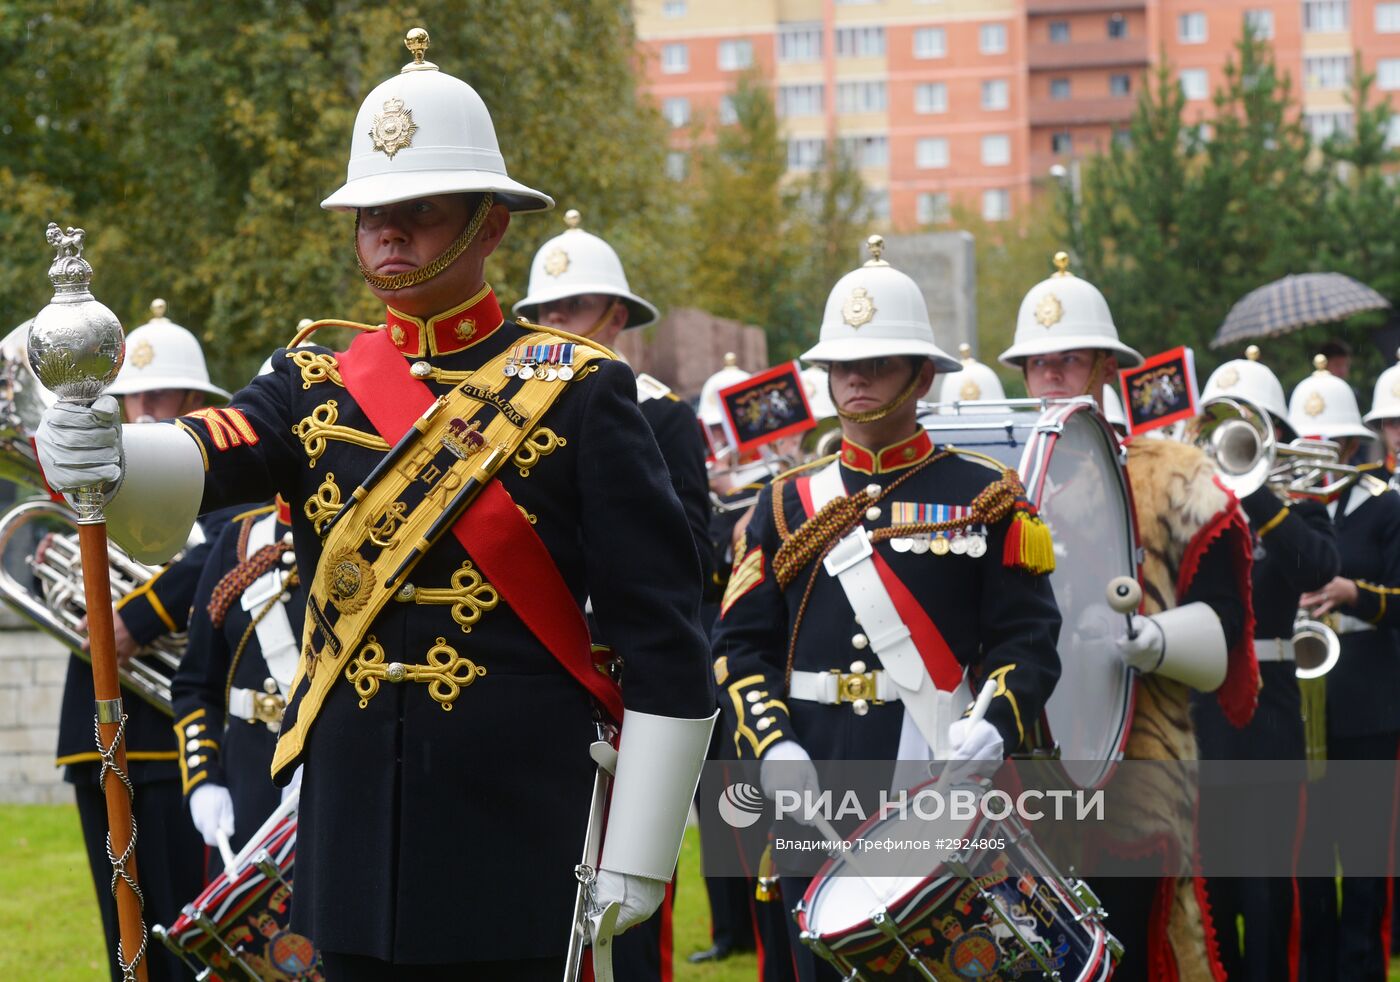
point(76, 345)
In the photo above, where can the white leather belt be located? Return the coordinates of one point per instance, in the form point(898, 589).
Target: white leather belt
point(1346, 624)
point(835, 686)
point(257, 707)
point(1273, 649)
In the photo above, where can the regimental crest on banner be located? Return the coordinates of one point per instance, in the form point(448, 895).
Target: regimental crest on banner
point(1161, 391)
point(766, 407)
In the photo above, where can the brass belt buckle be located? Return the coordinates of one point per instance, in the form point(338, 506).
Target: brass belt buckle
point(269, 705)
point(856, 687)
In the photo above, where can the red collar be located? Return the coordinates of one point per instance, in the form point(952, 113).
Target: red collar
point(449, 332)
point(897, 456)
point(284, 512)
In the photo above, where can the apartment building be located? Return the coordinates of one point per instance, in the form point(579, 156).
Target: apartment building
point(975, 101)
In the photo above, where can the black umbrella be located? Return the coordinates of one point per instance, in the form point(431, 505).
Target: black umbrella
point(1296, 301)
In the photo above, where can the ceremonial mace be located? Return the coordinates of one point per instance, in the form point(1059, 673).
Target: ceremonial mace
point(76, 348)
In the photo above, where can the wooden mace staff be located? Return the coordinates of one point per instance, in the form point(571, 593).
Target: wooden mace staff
point(76, 346)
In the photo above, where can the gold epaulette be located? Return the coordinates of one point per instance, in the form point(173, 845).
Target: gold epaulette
point(576, 338)
point(805, 467)
point(300, 336)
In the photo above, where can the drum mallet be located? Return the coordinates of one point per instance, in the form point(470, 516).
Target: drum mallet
point(1125, 596)
point(76, 346)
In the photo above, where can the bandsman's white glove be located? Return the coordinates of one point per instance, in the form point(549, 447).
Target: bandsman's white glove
point(211, 807)
point(1145, 649)
point(975, 739)
point(638, 896)
point(81, 446)
point(294, 785)
point(788, 767)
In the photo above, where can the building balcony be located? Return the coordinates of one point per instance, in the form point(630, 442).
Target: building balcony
point(1082, 112)
point(1038, 7)
point(1125, 52)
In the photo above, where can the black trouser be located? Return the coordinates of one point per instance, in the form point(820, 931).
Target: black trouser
point(1128, 901)
point(169, 862)
point(340, 967)
point(643, 953)
point(1347, 946)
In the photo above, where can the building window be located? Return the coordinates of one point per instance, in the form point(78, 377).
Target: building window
point(991, 39)
point(1327, 73)
point(1191, 28)
point(931, 153)
point(1388, 73)
point(1260, 23)
point(933, 207)
point(1120, 85)
point(675, 59)
point(930, 42)
point(1392, 132)
point(1388, 18)
point(673, 9)
point(1194, 83)
point(1059, 31)
point(728, 115)
point(800, 42)
point(1123, 137)
point(860, 97)
point(1059, 88)
point(931, 97)
point(735, 55)
point(805, 153)
point(867, 151)
point(677, 165)
point(877, 204)
point(860, 42)
point(996, 150)
point(996, 94)
point(1117, 27)
point(800, 100)
point(1326, 16)
point(996, 205)
point(1326, 124)
point(676, 111)
point(1062, 142)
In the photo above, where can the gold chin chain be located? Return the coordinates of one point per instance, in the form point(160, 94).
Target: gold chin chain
point(874, 415)
point(402, 281)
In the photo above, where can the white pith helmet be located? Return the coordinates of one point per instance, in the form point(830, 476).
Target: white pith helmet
point(1065, 313)
point(425, 132)
point(710, 412)
point(874, 312)
point(1324, 405)
point(575, 263)
point(975, 383)
point(1385, 401)
point(817, 385)
point(161, 354)
point(1113, 410)
point(1249, 378)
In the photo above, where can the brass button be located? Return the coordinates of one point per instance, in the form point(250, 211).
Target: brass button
point(858, 667)
point(395, 672)
point(873, 490)
point(766, 722)
point(407, 592)
point(192, 729)
point(753, 696)
point(860, 707)
point(195, 760)
point(420, 369)
point(192, 746)
point(872, 514)
point(859, 642)
point(758, 708)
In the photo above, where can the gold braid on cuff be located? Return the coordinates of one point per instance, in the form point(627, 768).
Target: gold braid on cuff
point(402, 281)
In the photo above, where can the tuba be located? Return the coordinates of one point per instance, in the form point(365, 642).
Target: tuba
point(60, 607)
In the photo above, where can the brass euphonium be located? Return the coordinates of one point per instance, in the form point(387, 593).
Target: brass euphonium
point(1238, 436)
point(60, 608)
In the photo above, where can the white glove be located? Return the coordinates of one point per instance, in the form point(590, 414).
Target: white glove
point(211, 807)
point(1144, 651)
point(975, 739)
point(788, 767)
point(81, 446)
point(638, 896)
point(294, 785)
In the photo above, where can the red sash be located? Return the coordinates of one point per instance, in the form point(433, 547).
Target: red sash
point(939, 661)
point(500, 541)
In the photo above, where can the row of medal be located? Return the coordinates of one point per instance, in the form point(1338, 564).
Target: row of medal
point(970, 541)
point(550, 362)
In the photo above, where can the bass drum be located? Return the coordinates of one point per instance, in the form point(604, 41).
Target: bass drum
point(1071, 465)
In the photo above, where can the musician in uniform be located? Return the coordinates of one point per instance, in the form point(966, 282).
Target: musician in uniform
point(577, 285)
point(459, 485)
point(1384, 417)
point(1362, 691)
point(1196, 630)
point(232, 684)
point(1295, 552)
point(164, 374)
point(951, 552)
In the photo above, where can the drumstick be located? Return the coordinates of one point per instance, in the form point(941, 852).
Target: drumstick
point(225, 849)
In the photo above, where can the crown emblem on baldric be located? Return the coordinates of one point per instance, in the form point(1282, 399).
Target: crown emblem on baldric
point(859, 308)
point(393, 129)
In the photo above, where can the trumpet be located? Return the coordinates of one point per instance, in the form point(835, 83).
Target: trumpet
point(1238, 436)
point(61, 607)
